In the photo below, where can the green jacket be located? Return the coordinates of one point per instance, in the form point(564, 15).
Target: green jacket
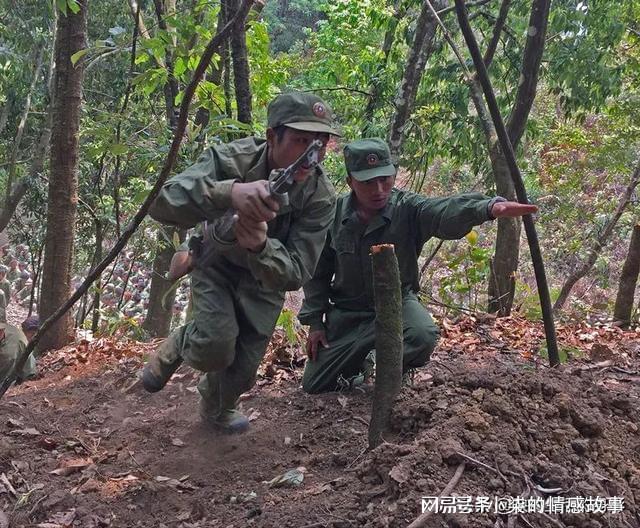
point(11, 346)
point(343, 276)
point(3, 308)
point(5, 286)
point(295, 237)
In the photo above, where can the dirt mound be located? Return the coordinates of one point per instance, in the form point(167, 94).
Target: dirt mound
point(80, 448)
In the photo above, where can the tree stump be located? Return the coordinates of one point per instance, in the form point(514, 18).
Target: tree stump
point(388, 327)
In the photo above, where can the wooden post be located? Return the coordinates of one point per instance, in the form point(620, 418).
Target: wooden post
point(388, 304)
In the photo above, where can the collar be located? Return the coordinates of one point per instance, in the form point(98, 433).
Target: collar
point(260, 170)
point(349, 210)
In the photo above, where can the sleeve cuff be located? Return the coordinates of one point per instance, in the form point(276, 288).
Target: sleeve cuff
point(221, 198)
point(490, 205)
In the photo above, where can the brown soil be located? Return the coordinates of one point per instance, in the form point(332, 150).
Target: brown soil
point(80, 448)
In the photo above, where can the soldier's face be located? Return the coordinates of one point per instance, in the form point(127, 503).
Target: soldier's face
point(372, 194)
point(285, 150)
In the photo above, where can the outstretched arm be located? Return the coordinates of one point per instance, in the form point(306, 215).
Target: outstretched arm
point(512, 209)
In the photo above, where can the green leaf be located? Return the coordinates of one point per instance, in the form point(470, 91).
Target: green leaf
point(62, 6)
point(78, 55)
point(118, 149)
point(74, 6)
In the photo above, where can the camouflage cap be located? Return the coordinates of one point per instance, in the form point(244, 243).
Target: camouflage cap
point(3, 268)
point(301, 111)
point(366, 159)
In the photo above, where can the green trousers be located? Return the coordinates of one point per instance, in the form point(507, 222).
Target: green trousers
point(8, 357)
point(233, 319)
point(351, 336)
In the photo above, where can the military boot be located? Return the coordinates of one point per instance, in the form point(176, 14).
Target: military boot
point(218, 404)
point(229, 421)
point(161, 365)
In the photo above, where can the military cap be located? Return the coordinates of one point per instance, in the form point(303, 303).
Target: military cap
point(366, 159)
point(301, 111)
point(3, 268)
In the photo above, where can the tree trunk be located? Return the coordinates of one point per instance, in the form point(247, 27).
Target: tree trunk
point(4, 117)
point(502, 275)
point(497, 32)
point(202, 116)
point(142, 29)
point(628, 280)
point(23, 121)
point(63, 182)
point(416, 59)
point(240, 59)
point(388, 303)
point(505, 260)
point(36, 280)
point(600, 242)
point(158, 319)
point(97, 257)
point(376, 81)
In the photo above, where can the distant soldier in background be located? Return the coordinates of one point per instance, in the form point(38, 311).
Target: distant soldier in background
point(13, 342)
point(13, 274)
point(3, 308)
point(5, 285)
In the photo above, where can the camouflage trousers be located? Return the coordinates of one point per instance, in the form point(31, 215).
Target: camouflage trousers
point(233, 319)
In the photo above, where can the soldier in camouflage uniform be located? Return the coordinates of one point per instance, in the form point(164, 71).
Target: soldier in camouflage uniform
point(339, 304)
point(12, 344)
point(237, 299)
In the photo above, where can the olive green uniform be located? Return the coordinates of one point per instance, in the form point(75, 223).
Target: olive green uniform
point(339, 298)
point(237, 299)
point(11, 347)
point(5, 286)
point(3, 307)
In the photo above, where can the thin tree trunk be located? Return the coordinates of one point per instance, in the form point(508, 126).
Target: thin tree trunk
point(497, 32)
point(505, 260)
point(599, 244)
point(158, 319)
point(36, 280)
point(142, 29)
point(628, 280)
point(4, 117)
point(63, 182)
point(240, 59)
point(388, 304)
point(215, 76)
point(23, 121)
point(226, 81)
point(97, 257)
point(417, 56)
point(377, 84)
point(35, 170)
point(521, 191)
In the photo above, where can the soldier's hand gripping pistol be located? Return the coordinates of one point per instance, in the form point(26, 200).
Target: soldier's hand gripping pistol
point(218, 234)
